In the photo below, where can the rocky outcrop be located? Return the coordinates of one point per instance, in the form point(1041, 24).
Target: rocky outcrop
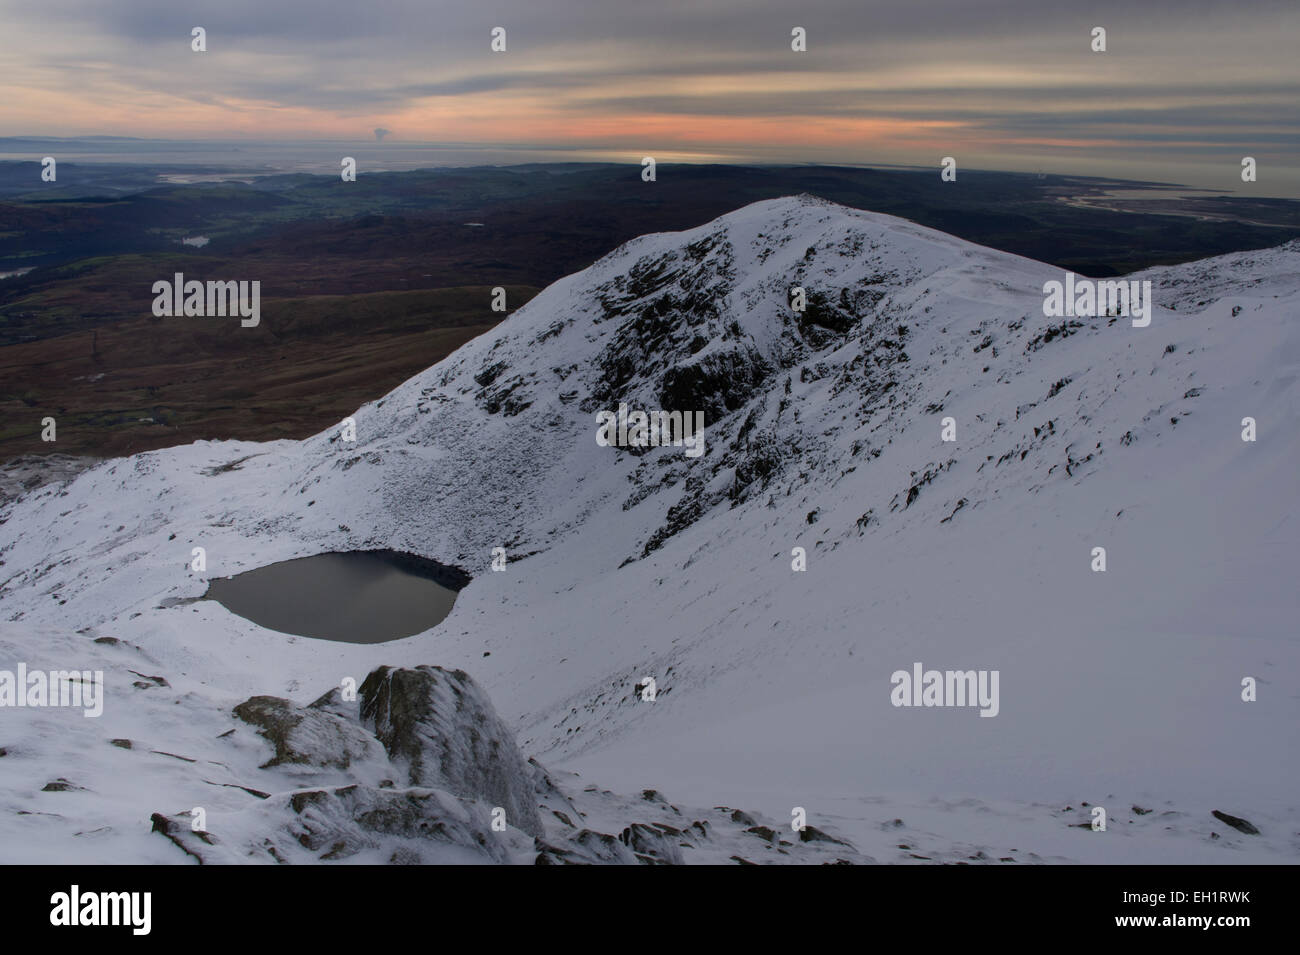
point(442, 729)
point(409, 826)
point(1236, 822)
point(419, 769)
point(310, 737)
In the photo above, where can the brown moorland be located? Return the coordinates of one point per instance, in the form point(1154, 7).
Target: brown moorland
point(144, 383)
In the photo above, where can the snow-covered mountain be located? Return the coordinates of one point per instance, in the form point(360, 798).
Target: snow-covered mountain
point(1120, 689)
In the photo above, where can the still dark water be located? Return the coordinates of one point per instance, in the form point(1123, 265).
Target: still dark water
point(357, 597)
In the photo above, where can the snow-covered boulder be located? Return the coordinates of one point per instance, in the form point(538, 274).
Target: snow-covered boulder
point(305, 736)
point(442, 728)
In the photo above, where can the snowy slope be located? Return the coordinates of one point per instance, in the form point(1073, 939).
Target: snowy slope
point(1118, 689)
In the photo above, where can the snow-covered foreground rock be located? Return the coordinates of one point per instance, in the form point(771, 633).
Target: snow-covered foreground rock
point(1120, 689)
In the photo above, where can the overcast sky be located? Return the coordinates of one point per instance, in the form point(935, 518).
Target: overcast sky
point(1184, 91)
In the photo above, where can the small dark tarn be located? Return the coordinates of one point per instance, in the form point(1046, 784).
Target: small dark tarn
point(367, 596)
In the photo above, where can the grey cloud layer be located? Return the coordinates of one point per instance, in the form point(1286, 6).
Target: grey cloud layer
point(1177, 70)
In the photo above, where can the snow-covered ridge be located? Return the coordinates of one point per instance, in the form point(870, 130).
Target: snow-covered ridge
point(823, 431)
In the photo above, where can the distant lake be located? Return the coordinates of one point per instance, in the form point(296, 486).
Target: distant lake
point(16, 273)
point(355, 597)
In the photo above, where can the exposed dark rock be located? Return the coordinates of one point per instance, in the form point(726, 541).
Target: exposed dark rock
point(443, 728)
point(717, 384)
point(181, 834)
point(152, 680)
point(586, 848)
point(1236, 822)
point(307, 736)
point(813, 834)
point(335, 824)
point(648, 842)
